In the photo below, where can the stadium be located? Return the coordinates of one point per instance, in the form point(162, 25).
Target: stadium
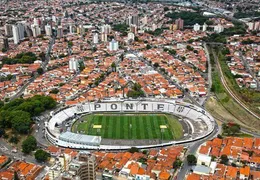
point(121, 124)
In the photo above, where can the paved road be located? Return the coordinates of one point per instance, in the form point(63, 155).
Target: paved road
point(229, 90)
point(192, 149)
point(44, 65)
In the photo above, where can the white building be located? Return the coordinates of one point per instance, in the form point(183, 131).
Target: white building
point(204, 27)
point(106, 29)
point(95, 38)
point(103, 37)
point(203, 160)
point(251, 26)
point(130, 36)
point(35, 30)
point(16, 34)
point(196, 27)
point(154, 27)
point(73, 65)
point(218, 28)
point(21, 30)
point(59, 32)
point(48, 30)
point(113, 45)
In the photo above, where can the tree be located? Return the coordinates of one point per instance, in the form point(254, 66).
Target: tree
point(156, 65)
point(2, 132)
point(166, 9)
point(224, 159)
point(54, 91)
point(70, 44)
point(41, 155)
point(4, 50)
point(14, 139)
point(16, 177)
point(40, 71)
point(113, 66)
point(21, 121)
point(133, 150)
point(29, 144)
point(192, 160)
point(148, 46)
point(177, 163)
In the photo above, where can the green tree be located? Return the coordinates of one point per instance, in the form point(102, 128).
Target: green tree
point(40, 71)
point(4, 50)
point(156, 65)
point(54, 91)
point(14, 139)
point(177, 164)
point(113, 66)
point(133, 150)
point(70, 44)
point(29, 144)
point(148, 46)
point(41, 155)
point(21, 121)
point(224, 159)
point(191, 159)
point(16, 177)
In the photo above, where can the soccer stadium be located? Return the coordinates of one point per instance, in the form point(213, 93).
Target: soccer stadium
point(121, 124)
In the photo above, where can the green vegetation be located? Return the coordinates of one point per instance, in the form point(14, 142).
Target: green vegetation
point(41, 155)
point(239, 14)
point(17, 113)
point(224, 159)
point(40, 71)
point(156, 32)
point(29, 144)
point(136, 91)
point(191, 159)
point(223, 106)
point(230, 129)
point(131, 126)
point(190, 18)
point(122, 28)
point(22, 58)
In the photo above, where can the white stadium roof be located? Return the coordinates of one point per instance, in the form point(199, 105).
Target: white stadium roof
point(80, 138)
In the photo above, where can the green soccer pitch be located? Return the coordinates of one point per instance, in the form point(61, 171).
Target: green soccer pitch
point(130, 126)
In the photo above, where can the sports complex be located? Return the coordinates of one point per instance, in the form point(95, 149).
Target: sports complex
point(121, 124)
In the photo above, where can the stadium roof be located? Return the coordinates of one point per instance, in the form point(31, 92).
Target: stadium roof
point(80, 138)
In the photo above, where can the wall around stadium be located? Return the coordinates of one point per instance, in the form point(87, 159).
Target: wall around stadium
point(145, 105)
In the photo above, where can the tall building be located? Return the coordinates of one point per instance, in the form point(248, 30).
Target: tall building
point(179, 23)
point(59, 32)
point(130, 36)
point(8, 30)
point(48, 30)
point(218, 28)
point(135, 20)
point(21, 30)
point(133, 28)
point(113, 45)
point(204, 27)
point(129, 20)
point(15, 34)
point(82, 168)
point(73, 65)
point(95, 38)
point(144, 20)
point(154, 27)
point(3, 42)
point(89, 169)
point(103, 37)
point(196, 27)
point(106, 29)
point(81, 30)
point(36, 30)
